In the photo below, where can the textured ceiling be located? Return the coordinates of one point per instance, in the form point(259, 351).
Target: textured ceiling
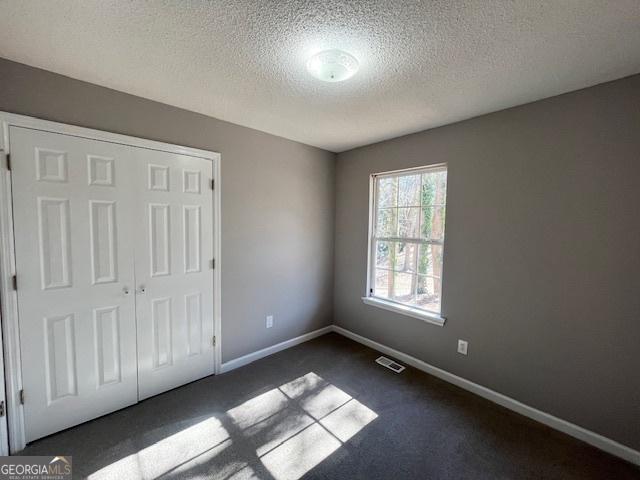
point(423, 64)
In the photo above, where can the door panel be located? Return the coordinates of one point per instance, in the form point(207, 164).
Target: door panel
point(75, 261)
point(174, 278)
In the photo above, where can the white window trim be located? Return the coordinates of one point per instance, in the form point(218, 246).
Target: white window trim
point(370, 299)
point(402, 309)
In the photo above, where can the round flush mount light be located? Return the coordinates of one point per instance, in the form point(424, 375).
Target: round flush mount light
point(332, 65)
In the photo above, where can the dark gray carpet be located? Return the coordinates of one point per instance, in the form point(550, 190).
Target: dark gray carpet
point(325, 410)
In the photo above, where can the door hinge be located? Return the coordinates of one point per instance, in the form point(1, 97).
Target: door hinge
point(213, 263)
point(21, 397)
point(213, 341)
point(9, 161)
point(14, 282)
point(2, 408)
point(213, 184)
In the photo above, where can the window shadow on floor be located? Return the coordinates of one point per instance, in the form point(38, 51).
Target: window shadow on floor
point(280, 434)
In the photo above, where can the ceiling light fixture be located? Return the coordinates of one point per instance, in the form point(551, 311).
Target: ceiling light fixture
point(332, 65)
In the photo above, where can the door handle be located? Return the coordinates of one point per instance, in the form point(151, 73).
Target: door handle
point(126, 290)
point(142, 289)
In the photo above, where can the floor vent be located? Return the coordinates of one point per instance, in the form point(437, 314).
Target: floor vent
point(390, 364)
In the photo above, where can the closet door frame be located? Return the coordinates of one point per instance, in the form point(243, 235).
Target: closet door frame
point(12, 432)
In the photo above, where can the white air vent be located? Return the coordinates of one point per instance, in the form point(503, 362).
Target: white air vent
point(390, 364)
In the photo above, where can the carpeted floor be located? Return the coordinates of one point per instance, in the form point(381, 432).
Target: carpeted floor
point(324, 410)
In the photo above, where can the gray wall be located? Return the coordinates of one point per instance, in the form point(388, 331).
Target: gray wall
point(542, 254)
point(277, 201)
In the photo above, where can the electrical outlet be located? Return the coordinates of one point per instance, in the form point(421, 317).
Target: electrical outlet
point(463, 345)
point(269, 321)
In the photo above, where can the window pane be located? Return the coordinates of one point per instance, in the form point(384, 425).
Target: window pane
point(403, 287)
point(428, 293)
point(385, 252)
point(430, 260)
point(408, 222)
point(409, 191)
point(384, 279)
point(432, 223)
point(434, 188)
point(387, 192)
point(387, 223)
point(406, 257)
point(410, 206)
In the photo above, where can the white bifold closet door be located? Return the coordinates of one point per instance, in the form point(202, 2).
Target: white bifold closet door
point(74, 246)
point(174, 248)
point(115, 290)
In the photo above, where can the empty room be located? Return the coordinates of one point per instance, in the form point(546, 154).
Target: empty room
point(319, 239)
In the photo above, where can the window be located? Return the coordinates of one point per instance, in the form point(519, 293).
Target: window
point(407, 241)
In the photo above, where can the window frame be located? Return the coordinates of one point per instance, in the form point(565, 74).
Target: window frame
point(388, 304)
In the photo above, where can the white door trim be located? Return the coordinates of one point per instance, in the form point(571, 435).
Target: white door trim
point(8, 296)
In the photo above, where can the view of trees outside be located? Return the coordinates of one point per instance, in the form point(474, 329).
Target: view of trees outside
point(409, 237)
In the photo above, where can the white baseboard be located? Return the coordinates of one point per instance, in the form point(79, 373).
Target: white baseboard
point(252, 357)
point(587, 436)
point(592, 438)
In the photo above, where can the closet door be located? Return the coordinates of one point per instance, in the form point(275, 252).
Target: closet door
point(174, 277)
point(74, 258)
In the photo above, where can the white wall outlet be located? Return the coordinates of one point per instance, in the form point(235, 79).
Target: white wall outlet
point(463, 345)
point(269, 321)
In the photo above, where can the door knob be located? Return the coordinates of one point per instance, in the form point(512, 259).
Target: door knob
point(142, 289)
point(126, 291)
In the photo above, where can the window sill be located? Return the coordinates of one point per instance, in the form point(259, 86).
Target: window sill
point(428, 317)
